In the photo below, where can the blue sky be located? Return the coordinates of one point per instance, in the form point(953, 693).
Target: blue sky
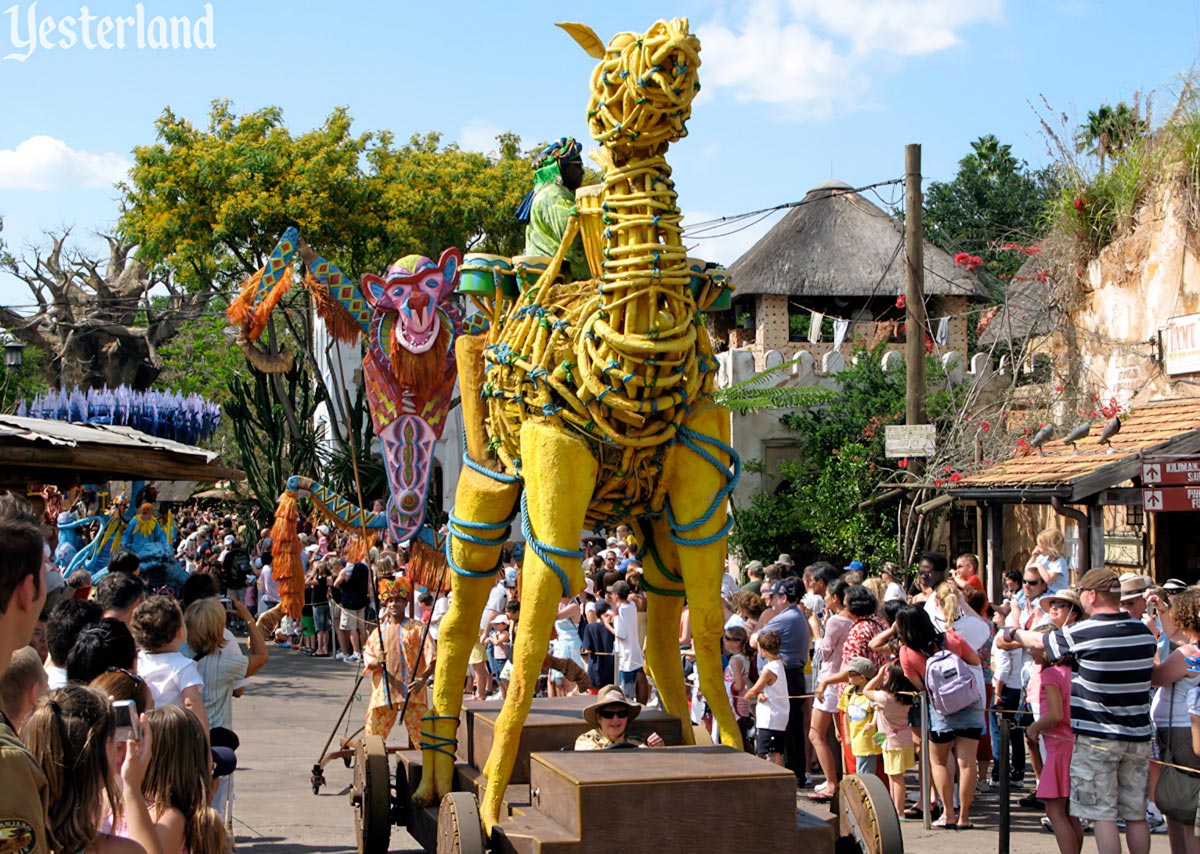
point(795, 91)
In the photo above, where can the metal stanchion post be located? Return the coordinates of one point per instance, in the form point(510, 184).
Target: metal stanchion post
point(1005, 811)
point(926, 772)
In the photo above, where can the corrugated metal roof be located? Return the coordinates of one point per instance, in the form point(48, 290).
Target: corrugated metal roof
point(1159, 428)
point(72, 435)
point(37, 447)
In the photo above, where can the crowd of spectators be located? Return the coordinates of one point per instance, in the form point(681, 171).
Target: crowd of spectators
point(116, 703)
point(826, 670)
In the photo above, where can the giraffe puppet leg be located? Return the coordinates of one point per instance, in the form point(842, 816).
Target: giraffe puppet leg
point(692, 486)
point(560, 476)
point(479, 499)
point(663, 612)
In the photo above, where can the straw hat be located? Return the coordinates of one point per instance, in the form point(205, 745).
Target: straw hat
point(1068, 594)
point(1133, 586)
point(610, 695)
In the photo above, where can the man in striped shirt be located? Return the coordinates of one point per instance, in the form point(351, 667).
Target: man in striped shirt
point(1110, 710)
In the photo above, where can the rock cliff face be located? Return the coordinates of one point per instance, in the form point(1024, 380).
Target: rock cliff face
point(1135, 286)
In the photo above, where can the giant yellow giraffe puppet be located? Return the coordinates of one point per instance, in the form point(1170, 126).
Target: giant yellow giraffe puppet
point(590, 404)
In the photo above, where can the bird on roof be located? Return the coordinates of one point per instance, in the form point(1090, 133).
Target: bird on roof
point(1111, 429)
point(1041, 437)
point(1077, 433)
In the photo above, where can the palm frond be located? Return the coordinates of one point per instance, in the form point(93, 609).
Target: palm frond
point(746, 400)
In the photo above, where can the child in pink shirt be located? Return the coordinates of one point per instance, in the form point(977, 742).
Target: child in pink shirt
point(1049, 694)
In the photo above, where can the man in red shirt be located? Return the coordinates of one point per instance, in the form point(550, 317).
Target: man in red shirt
point(966, 571)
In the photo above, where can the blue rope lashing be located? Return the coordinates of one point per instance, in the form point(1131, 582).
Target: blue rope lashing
point(660, 563)
point(494, 475)
point(439, 743)
point(462, 528)
point(660, 591)
point(704, 541)
point(546, 552)
point(690, 439)
point(466, 573)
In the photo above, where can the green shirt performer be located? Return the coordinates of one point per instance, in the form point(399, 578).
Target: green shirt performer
point(557, 174)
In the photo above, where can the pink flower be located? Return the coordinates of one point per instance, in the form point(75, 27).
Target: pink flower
point(902, 462)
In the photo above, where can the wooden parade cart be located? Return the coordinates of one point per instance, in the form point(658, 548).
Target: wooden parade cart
point(690, 799)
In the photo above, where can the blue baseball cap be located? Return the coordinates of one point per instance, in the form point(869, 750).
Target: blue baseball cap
point(855, 566)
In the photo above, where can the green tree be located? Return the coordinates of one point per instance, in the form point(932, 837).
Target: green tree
point(269, 450)
point(841, 460)
point(209, 203)
point(24, 382)
point(1110, 130)
point(993, 201)
point(200, 359)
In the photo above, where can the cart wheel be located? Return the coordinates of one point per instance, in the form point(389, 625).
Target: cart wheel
point(371, 795)
point(868, 815)
point(459, 830)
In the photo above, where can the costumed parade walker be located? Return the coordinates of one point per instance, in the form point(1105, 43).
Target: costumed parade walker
point(587, 403)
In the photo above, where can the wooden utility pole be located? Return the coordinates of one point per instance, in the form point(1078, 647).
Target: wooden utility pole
point(915, 321)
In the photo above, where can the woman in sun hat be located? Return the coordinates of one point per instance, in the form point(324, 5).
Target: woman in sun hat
point(611, 715)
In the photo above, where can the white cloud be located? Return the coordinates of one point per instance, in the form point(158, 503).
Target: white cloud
point(46, 163)
point(479, 135)
point(812, 57)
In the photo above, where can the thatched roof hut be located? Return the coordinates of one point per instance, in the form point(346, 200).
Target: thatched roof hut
point(1029, 309)
point(838, 244)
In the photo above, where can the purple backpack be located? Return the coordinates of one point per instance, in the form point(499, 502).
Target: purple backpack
point(949, 682)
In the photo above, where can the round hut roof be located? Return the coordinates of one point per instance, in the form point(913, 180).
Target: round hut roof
point(1029, 308)
point(836, 243)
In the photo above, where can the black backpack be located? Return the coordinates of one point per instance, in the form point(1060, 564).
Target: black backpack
point(236, 568)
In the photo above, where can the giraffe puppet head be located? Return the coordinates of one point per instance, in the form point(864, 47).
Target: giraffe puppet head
point(655, 72)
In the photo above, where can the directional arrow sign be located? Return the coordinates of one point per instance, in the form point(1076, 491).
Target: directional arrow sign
point(1171, 498)
point(1184, 472)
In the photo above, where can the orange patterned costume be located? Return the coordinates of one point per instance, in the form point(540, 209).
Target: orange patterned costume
point(403, 654)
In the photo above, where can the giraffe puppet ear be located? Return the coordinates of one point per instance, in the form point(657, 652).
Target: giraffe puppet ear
point(586, 38)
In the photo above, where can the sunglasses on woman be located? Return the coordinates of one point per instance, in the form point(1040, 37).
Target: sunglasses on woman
point(613, 713)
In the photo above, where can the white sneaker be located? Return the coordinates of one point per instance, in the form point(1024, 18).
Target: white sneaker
point(339, 656)
point(982, 786)
point(354, 658)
